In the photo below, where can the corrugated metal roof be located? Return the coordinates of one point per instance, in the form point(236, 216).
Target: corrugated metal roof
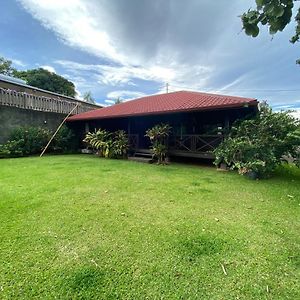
point(12, 79)
point(182, 101)
point(20, 82)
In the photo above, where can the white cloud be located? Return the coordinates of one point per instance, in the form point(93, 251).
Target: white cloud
point(109, 101)
point(195, 76)
point(18, 62)
point(134, 47)
point(75, 25)
point(124, 95)
point(48, 68)
point(194, 46)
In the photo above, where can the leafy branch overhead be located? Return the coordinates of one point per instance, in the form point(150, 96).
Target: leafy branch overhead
point(276, 14)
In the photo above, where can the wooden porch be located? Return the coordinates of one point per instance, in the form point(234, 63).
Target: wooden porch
point(188, 145)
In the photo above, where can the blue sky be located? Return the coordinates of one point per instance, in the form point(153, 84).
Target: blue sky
point(126, 49)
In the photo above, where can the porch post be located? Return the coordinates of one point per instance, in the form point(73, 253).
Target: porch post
point(86, 127)
point(226, 124)
point(128, 126)
point(181, 129)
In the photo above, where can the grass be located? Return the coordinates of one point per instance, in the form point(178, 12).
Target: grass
point(80, 227)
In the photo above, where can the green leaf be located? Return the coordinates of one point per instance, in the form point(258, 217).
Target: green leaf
point(278, 11)
point(255, 31)
point(259, 4)
point(268, 9)
point(252, 30)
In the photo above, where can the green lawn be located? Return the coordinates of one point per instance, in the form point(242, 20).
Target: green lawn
point(81, 227)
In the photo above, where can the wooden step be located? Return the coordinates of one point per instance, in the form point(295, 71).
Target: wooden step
point(143, 154)
point(141, 159)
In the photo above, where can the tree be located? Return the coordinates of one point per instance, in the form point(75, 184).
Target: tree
point(118, 101)
point(5, 67)
point(88, 97)
point(256, 146)
point(48, 81)
point(276, 14)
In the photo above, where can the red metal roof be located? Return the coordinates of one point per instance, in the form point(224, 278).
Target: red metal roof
point(182, 101)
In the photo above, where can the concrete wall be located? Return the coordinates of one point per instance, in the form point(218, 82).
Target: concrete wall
point(13, 117)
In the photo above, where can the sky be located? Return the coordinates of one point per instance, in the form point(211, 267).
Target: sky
point(127, 49)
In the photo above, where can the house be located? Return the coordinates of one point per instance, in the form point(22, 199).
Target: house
point(24, 105)
point(19, 85)
point(198, 120)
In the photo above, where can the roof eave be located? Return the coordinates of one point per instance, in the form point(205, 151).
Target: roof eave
point(253, 102)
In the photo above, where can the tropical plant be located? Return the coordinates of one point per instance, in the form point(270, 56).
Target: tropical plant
point(88, 97)
point(118, 101)
point(158, 137)
point(257, 145)
point(120, 144)
point(109, 145)
point(97, 140)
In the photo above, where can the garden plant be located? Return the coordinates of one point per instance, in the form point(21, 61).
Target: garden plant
point(108, 144)
point(158, 136)
point(255, 146)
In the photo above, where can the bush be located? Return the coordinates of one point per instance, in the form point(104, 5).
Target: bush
point(11, 149)
point(97, 140)
point(257, 145)
point(158, 137)
point(29, 140)
point(25, 141)
point(64, 141)
point(120, 144)
point(108, 145)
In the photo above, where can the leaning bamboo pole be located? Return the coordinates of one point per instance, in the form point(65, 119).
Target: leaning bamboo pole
point(61, 124)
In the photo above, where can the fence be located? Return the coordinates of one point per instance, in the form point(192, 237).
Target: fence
point(41, 103)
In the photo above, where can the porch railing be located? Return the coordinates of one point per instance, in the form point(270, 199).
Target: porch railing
point(192, 143)
point(195, 142)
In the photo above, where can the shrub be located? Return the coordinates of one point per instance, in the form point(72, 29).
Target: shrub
point(25, 141)
point(120, 144)
point(97, 140)
point(29, 140)
point(64, 141)
point(158, 137)
point(257, 145)
point(11, 149)
point(109, 145)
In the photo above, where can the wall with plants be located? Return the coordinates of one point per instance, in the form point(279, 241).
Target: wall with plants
point(26, 141)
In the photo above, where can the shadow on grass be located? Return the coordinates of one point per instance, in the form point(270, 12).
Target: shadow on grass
point(86, 280)
point(286, 171)
point(203, 245)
